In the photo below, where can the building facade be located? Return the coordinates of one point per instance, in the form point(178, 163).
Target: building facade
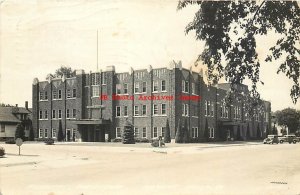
point(95, 106)
point(10, 117)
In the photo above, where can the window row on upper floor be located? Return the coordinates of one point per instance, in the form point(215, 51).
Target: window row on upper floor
point(57, 94)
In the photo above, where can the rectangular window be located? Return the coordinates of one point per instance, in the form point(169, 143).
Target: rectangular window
point(95, 91)
point(46, 133)
point(118, 111)
point(144, 110)
point(155, 86)
point(212, 109)
point(40, 133)
point(2, 128)
point(53, 114)
point(118, 132)
point(195, 132)
point(59, 94)
point(54, 94)
point(163, 109)
point(74, 113)
point(59, 114)
point(186, 87)
point(41, 95)
point(136, 110)
point(136, 87)
point(155, 109)
point(125, 111)
point(53, 133)
point(163, 85)
point(136, 132)
point(154, 132)
point(46, 95)
point(125, 88)
point(144, 89)
point(144, 132)
point(68, 113)
point(68, 93)
point(163, 131)
point(185, 109)
point(193, 88)
point(205, 108)
point(74, 93)
point(41, 114)
point(118, 88)
point(46, 114)
point(103, 79)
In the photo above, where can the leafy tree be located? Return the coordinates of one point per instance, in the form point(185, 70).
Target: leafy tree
point(60, 136)
point(290, 118)
point(179, 133)
point(239, 137)
point(63, 70)
point(206, 133)
point(258, 133)
point(274, 131)
point(20, 132)
point(167, 138)
point(230, 29)
point(5, 105)
point(31, 133)
point(248, 132)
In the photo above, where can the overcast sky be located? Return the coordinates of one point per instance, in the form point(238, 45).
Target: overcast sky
point(37, 37)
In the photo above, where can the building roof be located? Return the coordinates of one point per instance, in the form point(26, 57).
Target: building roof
point(6, 115)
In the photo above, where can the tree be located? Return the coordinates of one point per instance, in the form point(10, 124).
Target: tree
point(274, 131)
point(290, 118)
point(230, 29)
point(31, 133)
point(63, 70)
point(186, 134)
point(60, 136)
point(167, 138)
point(206, 133)
point(258, 133)
point(248, 132)
point(128, 134)
point(20, 132)
point(238, 137)
point(179, 133)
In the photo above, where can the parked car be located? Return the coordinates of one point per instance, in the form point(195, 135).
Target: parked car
point(271, 139)
point(288, 138)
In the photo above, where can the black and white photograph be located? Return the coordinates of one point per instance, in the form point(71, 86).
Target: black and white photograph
point(179, 97)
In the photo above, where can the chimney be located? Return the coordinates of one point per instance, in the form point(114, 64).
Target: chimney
point(26, 105)
point(16, 105)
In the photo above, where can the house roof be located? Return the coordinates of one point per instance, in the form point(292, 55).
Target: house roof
point(6, 115)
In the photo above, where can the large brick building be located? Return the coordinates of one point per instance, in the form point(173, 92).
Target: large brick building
point(95, 106)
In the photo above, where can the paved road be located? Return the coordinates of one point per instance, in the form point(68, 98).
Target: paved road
point(187, 169)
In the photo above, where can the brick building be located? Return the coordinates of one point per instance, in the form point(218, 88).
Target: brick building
point(95, 106)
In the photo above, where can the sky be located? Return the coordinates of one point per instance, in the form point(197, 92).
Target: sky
point(37, 37)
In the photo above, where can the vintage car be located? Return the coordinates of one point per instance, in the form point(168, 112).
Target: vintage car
point(271, 139)
point(288, 138)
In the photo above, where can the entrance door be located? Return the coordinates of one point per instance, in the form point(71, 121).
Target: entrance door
point(68, 135)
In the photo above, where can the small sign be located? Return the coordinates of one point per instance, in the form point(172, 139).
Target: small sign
point(19, 143)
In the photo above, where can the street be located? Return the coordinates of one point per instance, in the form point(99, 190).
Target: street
point(244, 168)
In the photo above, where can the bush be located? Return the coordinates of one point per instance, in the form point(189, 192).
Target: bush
point(2, 151)
point(10, 141)
point(49, 141)
point(116, 140)
point(141, 140)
